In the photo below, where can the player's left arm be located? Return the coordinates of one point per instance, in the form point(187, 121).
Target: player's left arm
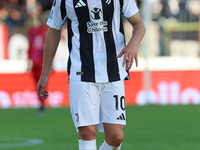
point(130, 52)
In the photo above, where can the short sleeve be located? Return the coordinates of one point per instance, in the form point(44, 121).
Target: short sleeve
point(129, 8)
point(57, 15)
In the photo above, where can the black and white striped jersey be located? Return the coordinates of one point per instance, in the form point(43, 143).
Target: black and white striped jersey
point(95, 36)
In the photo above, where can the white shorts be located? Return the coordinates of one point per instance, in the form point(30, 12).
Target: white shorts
point(96, 103)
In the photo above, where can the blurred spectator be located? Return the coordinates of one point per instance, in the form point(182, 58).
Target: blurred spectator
point(174, 8)
point(34, 8)
point(183, 14)
point(165, 12)
point(3, 10)
point(19, 15)
point(156, 7)
point(34, 11)
point(16, 13)
point(46, 4)
point(193, 7)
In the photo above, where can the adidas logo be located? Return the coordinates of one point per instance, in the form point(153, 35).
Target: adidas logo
point(121, 117)
point(80, 4)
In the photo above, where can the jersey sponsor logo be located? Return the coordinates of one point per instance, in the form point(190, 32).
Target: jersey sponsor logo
point(96, 15)
point(80, 4)
point(108, 1)
point(121, 117)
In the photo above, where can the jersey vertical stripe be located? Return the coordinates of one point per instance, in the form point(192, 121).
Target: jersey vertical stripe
point(63, 9)
point(86, 43)
point(99, 48)
point(70, 35)
point(54, 2)
point(121, 4)
point(112, 64)
point(121, 27)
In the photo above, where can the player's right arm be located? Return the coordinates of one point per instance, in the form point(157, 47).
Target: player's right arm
point(55, 22)
point(50, 47)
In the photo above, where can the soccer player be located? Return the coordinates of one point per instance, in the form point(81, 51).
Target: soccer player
point(97, 64)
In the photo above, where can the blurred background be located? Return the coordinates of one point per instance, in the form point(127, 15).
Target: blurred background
point(169, 63)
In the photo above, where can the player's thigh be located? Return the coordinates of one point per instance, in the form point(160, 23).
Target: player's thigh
point(113, 109)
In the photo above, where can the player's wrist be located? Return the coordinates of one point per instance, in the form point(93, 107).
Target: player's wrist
point(44, 74)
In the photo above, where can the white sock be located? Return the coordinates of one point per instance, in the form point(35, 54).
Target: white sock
point(105, 146)
point(87, 145)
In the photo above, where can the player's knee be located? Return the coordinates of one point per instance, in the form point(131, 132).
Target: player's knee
point(116, 140)
point(87, 133)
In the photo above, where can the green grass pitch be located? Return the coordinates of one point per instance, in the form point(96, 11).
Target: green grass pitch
point(148, 128)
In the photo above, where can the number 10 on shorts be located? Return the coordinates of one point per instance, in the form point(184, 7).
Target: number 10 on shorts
point(119, 102)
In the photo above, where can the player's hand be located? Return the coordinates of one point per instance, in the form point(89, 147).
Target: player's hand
point(129, 56)
point(41, 91)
